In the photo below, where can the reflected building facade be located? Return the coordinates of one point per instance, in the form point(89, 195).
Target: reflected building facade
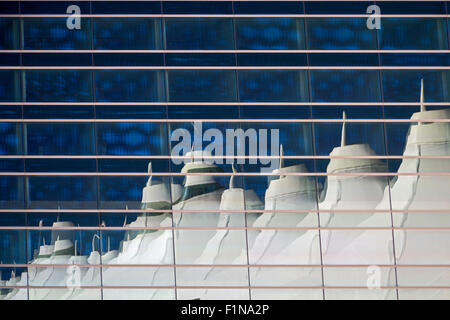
point(93, 204)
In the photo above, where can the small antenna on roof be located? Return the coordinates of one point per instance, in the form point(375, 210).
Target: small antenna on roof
point(281, 156)
point(422, 97)
point(344, 117)
point(150, 171)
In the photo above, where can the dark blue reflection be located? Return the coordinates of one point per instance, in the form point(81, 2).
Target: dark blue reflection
point(65, 192)
point(275, 112)
point(202, 85)
point(132, 165)
point(272, 59)
point(12, 219)
point(52, 33)
point(12, 248)
point(11, 165)
point(415, 59)
point(273, 85)
point(404, 86)
point(11, 192)
point(58, 112)
point(60, 165)
point(336, 7)
point(345, 86)
point(120, 192)
point(270, 33)
point(340, 33)
point(52, 7)
point(56, 59)
point(130, 112)
point(197, 7)
point(328, 136)
point(10, 138)
point(9, 59)
point(11, 112)
point(126, 7)
point(9, 85)
point(10, 35)
point(269, 7)
point(132, 138)
point(128, 59)
point(60, 138)
point(413, 33)
point(200, 59)
point(203, 112)
point(129, 85)
point(120, 33)
point(199, 33)
point(58, 85)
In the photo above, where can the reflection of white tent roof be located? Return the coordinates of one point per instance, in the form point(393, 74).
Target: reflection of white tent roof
point(351, 164)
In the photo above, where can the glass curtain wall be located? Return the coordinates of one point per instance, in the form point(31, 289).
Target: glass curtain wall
point(124, 174)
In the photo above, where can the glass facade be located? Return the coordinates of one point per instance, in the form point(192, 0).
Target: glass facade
point(224, 150)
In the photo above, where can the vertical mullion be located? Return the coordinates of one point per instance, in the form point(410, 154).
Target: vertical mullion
point(170, 179)
point(313, 137)
point(381, 92)
point(238, 98)
point(97, 180)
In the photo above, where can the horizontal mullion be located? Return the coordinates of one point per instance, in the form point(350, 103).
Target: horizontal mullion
point(167, 157)
point(225, 68)
point(215, 103)
point(162, 15)
point(100, 228)
point(119, 211)
point(220, 51)
point(229, 120)
point(226, 174)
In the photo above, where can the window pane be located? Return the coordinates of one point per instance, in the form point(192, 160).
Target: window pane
point(199, 33)
point(202, 85)
point(53, 192)
point(340, 33)
point(9, 38)
point(130, 34)
point(57, 85)
point(60, 138)
point(270, 33)
point(129, 85)
point(345, 86)
point(413, 33)
point(132, 138)
point(10, 138)
point(52, 33)
point(404, 86)
point(9, 85)
point(277, 85)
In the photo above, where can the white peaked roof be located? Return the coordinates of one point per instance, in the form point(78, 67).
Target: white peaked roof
point(238, 198)
point(157, 191)
point(62, 233)
point(62, 245)
point(194, 161)
point(348, 164)
point(429, 133)
point(46, 250)
point(289, 184)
